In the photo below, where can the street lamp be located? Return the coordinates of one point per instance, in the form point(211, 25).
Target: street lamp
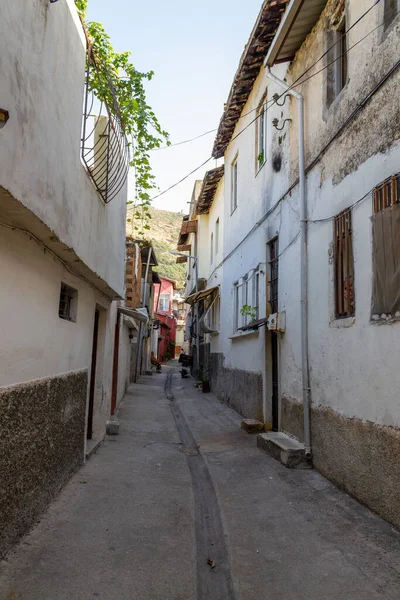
point(196, 309)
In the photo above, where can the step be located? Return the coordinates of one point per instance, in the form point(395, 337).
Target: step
point(252, 425)
point(289, 451)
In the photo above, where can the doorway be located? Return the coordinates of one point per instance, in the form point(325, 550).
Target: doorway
point(273, 300)
point(89, 433)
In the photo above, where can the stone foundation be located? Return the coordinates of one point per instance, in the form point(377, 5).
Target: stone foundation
point(241, 390)
point(41, 445)
point(360, 457)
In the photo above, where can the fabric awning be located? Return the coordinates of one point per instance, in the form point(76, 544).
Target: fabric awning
point(200, 295)
point(134, 314)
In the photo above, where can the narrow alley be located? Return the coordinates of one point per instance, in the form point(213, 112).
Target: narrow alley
point(182, 505)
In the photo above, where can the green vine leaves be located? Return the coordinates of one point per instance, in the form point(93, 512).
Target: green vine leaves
point(139, 121)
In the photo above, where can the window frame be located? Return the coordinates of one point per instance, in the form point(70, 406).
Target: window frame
point(261, 131)
point(234, 183)
point(236, 309)
point(70, 310)
point(161, 302)
point(216, 238)
point(212, 248)
point(344, 272)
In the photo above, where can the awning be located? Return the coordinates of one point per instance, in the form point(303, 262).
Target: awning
point(297, 22)
point(134, 313)
point(200, 295)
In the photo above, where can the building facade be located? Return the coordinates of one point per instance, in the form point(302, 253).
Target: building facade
point(310, 283)
point(62, 260)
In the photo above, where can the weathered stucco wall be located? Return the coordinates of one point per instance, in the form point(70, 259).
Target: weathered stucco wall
point(43, 49)
point(41, 445)
point(361, 457)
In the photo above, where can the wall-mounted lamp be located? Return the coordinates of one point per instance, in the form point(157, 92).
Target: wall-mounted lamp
point(4, 116)
point(276, 97)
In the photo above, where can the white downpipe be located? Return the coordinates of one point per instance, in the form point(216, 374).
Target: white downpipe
point(304, 264)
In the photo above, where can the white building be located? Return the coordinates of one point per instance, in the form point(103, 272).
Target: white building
point(62, 256)
point(336, 357)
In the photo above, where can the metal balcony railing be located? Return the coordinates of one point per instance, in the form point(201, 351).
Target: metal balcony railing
point(104, 147)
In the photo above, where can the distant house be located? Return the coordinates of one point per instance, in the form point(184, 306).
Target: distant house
point(164, 336)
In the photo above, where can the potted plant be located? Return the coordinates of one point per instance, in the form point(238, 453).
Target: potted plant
point(205, 385)
point(251, 312)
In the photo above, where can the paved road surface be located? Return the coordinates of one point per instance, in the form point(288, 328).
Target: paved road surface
point(181, 487)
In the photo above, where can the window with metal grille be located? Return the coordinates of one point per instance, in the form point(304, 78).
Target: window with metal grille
point(385, 248)
point(274, 272)
point(67, 308)
point(344, 265)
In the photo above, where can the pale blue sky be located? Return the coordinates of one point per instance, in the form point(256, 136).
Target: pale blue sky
point(194, 49)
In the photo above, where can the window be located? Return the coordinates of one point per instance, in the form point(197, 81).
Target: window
point(215, 314)
point(234, 185)
point(164, 302)
point(337, 60)
point(261, 132)
point(256, 294)
point(216, 237)
point(245, 299)
point(67, 308)
point(274, 272)
point(236, 307)
point(392, 8)
point(344, 265)
point(385, 245)
point(212, 248)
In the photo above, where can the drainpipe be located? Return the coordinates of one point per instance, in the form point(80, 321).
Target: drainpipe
point(304, 265)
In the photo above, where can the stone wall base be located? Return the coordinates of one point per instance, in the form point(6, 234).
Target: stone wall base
point(241, 390)
point(360, 457)
point(41, 445)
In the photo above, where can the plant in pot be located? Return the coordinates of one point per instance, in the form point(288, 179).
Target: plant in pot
point(251, 312)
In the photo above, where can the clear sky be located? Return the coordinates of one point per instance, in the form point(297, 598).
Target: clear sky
point(194, 49)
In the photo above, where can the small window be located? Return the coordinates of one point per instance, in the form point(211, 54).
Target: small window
point(234, 185)
point(261, 133)
point(216, 237)
point(212, 248)
point(337, 57)
point(344, 265)
point(68, 303)
point(392, 8)
point(386, 242)
point(164, 302)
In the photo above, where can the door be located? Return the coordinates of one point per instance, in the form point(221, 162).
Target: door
point(93, 375)
point(273, 299)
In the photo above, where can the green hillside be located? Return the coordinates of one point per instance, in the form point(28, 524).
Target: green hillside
point(164, 233)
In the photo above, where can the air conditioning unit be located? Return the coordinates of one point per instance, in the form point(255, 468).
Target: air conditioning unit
point(277, 322)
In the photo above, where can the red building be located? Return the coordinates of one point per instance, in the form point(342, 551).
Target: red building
point(164, 339)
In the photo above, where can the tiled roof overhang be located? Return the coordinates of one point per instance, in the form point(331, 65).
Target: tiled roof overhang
point(209, 187)
point(249, 67)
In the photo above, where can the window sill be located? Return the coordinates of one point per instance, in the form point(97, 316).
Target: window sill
point(384, 319)
point(244, 334)
point(344, 323)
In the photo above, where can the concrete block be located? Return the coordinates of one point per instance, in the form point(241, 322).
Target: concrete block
point(112, 427)
point(252, 425)
point(290, 452)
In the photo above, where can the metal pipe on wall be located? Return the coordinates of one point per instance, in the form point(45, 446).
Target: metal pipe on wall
point(304, 263)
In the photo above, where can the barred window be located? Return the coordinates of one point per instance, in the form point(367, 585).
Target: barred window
point(344, 265)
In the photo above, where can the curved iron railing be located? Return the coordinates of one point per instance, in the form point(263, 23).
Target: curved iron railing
point(104, 147)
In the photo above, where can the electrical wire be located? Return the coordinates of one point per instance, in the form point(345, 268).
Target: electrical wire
point(54, 255)
point(273, 101)
point(292, 85)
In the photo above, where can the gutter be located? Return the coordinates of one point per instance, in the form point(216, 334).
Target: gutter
point(303, 266)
